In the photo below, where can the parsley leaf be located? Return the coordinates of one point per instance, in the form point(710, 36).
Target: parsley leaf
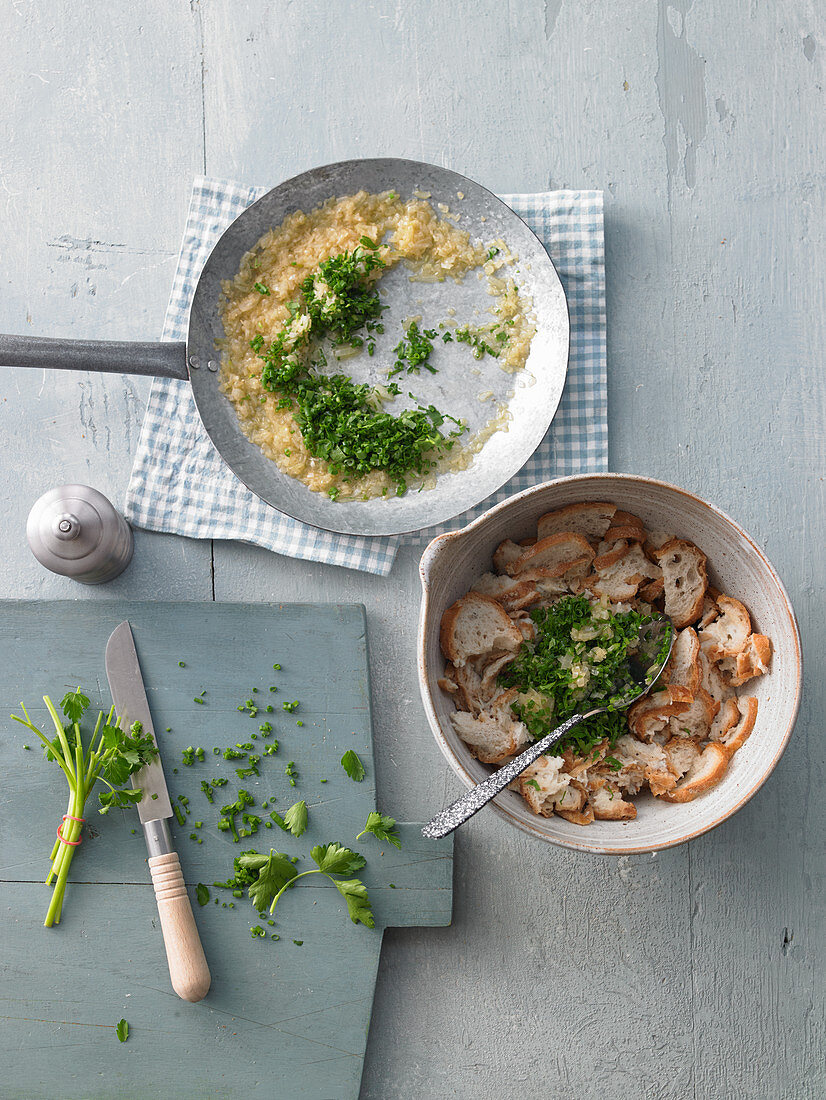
point(295, 819)
point(354, 893)
point(74, 704)
point(122, 1030)
point(273, 876)
point(353, 765)
point(202, 893)
point(335, 859)
point(382, 828)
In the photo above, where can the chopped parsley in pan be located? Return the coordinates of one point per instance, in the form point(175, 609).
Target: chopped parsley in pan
point(341, 421)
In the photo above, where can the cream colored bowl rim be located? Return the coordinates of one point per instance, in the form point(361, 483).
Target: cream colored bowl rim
point(438, 544)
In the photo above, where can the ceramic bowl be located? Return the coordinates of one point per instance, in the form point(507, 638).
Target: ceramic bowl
point(452, 562)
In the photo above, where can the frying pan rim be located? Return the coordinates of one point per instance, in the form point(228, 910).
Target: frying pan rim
point(231, 232)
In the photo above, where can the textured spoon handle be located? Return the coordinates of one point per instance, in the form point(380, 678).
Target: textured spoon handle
point(187, 963)
point(466, 806)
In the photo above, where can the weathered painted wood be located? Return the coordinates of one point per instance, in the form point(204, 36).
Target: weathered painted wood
point(315, 997)
point(94, 186)
point(703, 122)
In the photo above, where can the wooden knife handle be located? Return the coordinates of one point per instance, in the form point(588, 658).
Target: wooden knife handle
point(187, 963)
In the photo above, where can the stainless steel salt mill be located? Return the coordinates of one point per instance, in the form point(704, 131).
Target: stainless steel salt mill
point(75, 531)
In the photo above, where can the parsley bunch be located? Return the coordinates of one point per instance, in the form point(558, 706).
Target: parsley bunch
point(110, 755)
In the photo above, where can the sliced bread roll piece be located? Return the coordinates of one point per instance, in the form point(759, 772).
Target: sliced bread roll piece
point(491, 670)
point(706, 772)
point(517, 593)
point(543, 783)
point(621, 580)
point(493, 735)
point(735, 737)
point(591, 519)
point(681, 754)
point(476, 626)
point(626, 526)
point(728, 633)
point(683, 668)
point(555, 555)
point(684, 574)
point(753, 660)
point(650, 715)
point(649, 759)
point(573, 805)
point(696, 720)
point(713, 681)
point(608, 804)
point(505, 553)
point(652, 591)
point(465, 685)
point(726, 718)
point(609, 553)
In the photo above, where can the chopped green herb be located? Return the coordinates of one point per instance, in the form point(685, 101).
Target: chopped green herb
point(265, 290)
point(414, 352)
point(578, 651)
point(122, 1030)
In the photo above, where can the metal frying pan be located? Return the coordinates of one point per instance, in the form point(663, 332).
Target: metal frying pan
point(462, 386)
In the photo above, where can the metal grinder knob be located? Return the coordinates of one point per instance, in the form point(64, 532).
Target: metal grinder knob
point(75, 531)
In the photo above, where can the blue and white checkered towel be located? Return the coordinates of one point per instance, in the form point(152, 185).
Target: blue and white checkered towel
point(181, 484)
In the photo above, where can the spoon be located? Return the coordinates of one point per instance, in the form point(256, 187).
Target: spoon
point(634, 678)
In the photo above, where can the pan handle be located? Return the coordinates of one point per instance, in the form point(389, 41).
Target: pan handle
point(167, 360)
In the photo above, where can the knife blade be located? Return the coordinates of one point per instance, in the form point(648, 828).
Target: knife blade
point(123, 671)
point(188, 967)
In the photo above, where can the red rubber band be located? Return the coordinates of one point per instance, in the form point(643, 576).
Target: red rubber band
point(72, 843)
point(73, 818)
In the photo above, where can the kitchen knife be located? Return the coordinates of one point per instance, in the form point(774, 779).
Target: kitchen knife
point(187, 963)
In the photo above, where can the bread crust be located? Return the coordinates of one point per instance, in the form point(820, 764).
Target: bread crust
point(591, 519)
point(557, 554)
point(704, 774)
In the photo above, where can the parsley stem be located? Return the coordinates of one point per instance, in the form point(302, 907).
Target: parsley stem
point(314, 871)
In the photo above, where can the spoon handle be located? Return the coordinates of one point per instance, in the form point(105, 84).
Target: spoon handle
point(474, 799)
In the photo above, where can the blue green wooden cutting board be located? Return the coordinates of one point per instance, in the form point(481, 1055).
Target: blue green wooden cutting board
point(281, 1020)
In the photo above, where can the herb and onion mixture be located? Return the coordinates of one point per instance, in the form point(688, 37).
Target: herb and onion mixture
point(580, 655)
point(308, 297)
